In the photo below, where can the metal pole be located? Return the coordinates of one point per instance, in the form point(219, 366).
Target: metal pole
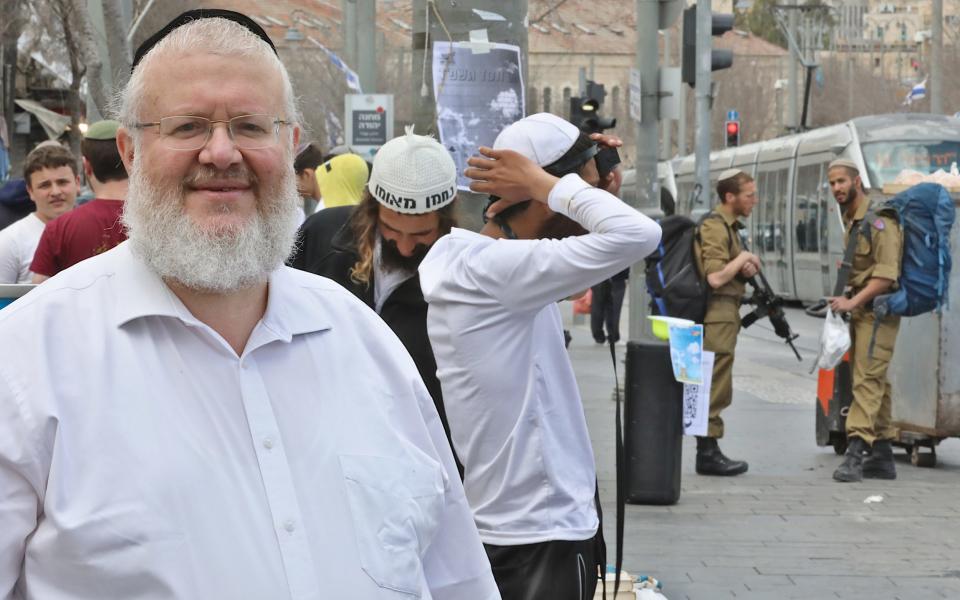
point(667, 147)
point(648, 138)
point(792, 73)
point(936, 59)
point(365, 44)
point(349, 26)
point(460, 20)
point(850, 114)
point(702, 144)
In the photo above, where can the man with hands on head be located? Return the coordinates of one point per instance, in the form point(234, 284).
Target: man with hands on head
point(515, 413)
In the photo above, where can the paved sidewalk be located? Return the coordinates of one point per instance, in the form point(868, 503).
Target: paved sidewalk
point(785, 529)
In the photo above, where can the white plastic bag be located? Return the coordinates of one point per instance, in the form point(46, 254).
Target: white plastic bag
point(834, 341)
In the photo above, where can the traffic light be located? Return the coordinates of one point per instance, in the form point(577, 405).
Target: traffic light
point(585, 112)
point(720, 23)
point(732, 133)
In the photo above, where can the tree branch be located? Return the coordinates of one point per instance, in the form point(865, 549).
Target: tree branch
point(547, 12)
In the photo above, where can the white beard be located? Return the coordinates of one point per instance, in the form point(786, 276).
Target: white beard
point(209, 260)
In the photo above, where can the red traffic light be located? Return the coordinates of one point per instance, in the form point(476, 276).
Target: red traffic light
point(733, 133)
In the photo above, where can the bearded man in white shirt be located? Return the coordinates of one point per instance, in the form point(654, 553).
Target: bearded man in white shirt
point(515, 414)
point(183, 416)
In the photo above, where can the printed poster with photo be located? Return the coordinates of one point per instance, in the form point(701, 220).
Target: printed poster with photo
point(479, 91)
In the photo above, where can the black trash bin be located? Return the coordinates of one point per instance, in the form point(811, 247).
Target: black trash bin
point(653, 415)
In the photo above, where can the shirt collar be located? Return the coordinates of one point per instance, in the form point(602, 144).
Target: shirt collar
point(292, 306)
point(730, 219)
point(861, 210)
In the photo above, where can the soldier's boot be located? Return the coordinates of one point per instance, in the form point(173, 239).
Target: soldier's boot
point(711, 461)
point(851, 469)
point(879, 463)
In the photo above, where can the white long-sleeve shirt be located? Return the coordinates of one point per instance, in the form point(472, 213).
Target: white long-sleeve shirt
point(140, 457)
point(515, 412)
point(18, 242)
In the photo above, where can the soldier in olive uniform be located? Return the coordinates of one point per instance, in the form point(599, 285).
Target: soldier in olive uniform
point(726, 266)
point(875, 270)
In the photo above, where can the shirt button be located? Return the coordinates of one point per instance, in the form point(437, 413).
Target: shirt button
point(289, 525)
point(268, 443)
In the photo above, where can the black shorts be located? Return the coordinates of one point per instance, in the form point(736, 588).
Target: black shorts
point(554, 570)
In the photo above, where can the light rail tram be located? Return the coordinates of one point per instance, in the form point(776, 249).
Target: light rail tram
point(795, 226)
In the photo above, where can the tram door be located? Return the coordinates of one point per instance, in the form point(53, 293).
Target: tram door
point(772, 235)
point(808, 220)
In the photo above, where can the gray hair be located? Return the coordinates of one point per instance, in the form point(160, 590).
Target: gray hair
point(211, 35)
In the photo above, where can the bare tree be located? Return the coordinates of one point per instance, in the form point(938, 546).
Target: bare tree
point(61, 34)
point(851, 90)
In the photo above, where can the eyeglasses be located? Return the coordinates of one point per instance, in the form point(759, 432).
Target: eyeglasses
point(248, 132)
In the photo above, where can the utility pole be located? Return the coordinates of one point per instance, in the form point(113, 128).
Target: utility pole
point(792, 74)
point(366, 44)
point(667, 125)
point(349, 28)
point(936, 59)
point(460, 19)
point(360, 40)
point(703, 96)
point(648, 140)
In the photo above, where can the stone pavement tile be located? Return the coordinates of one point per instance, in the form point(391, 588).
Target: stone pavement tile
point(699, 591)
point(947, 587)
point(756, 583)
point(724, 575)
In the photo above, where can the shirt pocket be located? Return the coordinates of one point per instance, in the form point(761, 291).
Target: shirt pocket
point(395, 504)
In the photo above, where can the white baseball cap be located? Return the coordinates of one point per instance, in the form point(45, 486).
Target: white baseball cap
point(543, 137)
point(413, 174)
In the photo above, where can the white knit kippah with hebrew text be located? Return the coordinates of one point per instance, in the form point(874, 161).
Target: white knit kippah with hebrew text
point(413, 174)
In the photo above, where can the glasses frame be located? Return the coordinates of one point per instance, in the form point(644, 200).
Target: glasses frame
point(277, 124)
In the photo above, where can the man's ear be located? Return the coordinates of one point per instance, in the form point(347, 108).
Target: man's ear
point(296, 138)
point(87, 169)
point(125, 146)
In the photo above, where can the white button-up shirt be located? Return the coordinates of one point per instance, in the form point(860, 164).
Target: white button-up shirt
point(140, 457)
point(515, 413)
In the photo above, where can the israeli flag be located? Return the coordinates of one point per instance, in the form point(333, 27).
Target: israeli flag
point(353, 80)
point(917, 92)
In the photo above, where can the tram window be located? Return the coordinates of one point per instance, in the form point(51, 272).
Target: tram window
point(767, 194)
point(885, 160)
point(807, 208)
point(781, 214)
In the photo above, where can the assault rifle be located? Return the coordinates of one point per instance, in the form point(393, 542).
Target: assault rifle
point(769, 305)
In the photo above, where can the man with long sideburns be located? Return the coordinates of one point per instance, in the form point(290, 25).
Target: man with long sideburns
point(185, 417)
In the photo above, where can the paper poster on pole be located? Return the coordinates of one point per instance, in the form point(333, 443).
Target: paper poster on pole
point(696, 399)
point(479, 90)
point(686, 348)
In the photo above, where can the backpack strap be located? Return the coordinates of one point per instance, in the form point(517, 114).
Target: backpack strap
point(714, 215)
point(843, 275)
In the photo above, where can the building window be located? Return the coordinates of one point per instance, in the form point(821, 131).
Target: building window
point(532, 106)
point(546, 99)
point(876, 63)
point(566, 101)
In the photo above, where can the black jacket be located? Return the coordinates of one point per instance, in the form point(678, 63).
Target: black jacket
point(327, 247)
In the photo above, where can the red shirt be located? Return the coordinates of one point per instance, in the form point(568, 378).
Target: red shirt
point(77, 235)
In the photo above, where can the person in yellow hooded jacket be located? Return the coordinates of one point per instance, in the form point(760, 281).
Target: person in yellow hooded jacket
point(341, 180)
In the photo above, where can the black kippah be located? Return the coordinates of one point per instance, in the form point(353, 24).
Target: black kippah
point(193, 15)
